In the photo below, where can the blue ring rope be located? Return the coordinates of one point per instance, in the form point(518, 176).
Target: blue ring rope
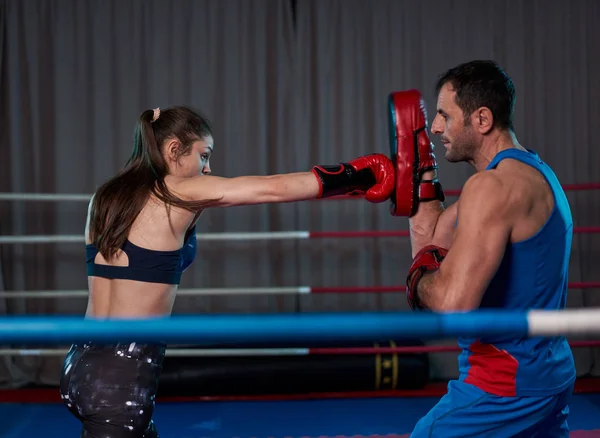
point(243, 330)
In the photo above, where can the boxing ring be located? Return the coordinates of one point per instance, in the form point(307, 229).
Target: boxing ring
point(380, 352)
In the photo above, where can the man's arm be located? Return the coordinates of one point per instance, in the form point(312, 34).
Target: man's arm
point(422, 224)
point(433, 224)
point(485, 221)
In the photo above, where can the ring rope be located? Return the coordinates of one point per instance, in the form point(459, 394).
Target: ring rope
point(303, 328)
point(72, 197)
point(176, 352)
point(266, 235)
point(293, 290)
point(253, 352)
point(78, 238)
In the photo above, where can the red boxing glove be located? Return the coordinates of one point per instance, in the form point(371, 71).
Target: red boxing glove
point(371, 176)
point(412, 153)
point(428, 259)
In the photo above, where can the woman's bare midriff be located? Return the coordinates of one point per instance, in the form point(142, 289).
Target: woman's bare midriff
point(153, 230)
point(128, 299)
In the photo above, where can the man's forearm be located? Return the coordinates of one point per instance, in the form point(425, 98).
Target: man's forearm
point(426, 291)
point(422, 224)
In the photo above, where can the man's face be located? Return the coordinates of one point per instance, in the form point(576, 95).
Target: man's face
point(460, 140)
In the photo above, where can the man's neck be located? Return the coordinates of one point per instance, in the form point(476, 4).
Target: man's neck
point(492, 145)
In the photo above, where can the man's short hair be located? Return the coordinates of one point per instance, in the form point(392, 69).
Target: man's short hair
point(482, 83)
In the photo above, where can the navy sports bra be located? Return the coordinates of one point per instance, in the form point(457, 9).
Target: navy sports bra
point(145, 264)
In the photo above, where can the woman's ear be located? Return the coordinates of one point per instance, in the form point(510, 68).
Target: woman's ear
point(172, 150)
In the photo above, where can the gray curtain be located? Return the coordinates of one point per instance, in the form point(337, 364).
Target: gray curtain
point(286, 88)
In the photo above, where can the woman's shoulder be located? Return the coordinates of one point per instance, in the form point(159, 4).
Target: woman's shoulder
point(159, 214)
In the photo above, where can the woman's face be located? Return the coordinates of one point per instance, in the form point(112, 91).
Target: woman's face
point(195, 162)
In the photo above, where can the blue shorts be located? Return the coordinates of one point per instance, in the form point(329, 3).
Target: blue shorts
point(467, 411)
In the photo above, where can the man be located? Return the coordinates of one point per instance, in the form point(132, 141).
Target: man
point(504, 244)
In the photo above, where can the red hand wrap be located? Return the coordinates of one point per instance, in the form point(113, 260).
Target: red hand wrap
point(428, 259)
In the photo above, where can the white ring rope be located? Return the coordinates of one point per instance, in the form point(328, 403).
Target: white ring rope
point(83, 293)
point(75, 238)
point(79, 238)
point(576, 322)
point(49, 197)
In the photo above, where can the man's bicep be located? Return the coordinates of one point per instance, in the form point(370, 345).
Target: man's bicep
point(482, 235)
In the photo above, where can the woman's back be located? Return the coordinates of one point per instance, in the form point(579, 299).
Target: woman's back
point(155, 249)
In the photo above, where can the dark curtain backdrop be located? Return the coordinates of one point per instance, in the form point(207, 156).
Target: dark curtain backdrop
point(287, 85)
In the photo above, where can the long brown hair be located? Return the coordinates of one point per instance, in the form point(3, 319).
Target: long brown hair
point(119, 200)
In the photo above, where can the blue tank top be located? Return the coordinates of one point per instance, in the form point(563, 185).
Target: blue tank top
point(532, 275)
point(146, 265)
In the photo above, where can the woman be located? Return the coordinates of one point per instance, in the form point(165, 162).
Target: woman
point(140, 236)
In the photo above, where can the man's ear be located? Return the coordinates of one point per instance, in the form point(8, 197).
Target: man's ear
point(483, 120)
point(172, 150)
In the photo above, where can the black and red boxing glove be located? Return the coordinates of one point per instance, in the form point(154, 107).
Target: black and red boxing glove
point(428, 259)
point(371, 176)
point(411, 152)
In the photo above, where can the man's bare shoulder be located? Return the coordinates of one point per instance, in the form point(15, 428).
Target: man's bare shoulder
point(486, 184)
point(488, 195)
point(530, 196)
point(525, 183)
point(509, 193)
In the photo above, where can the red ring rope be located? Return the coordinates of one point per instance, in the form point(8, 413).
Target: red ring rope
point(404, 233)
point(566, 188)
point(402, 288)
point(413, 349)
point(456, 192)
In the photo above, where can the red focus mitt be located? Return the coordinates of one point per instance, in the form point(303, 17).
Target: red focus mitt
point(411, 152)
point(428, 259)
